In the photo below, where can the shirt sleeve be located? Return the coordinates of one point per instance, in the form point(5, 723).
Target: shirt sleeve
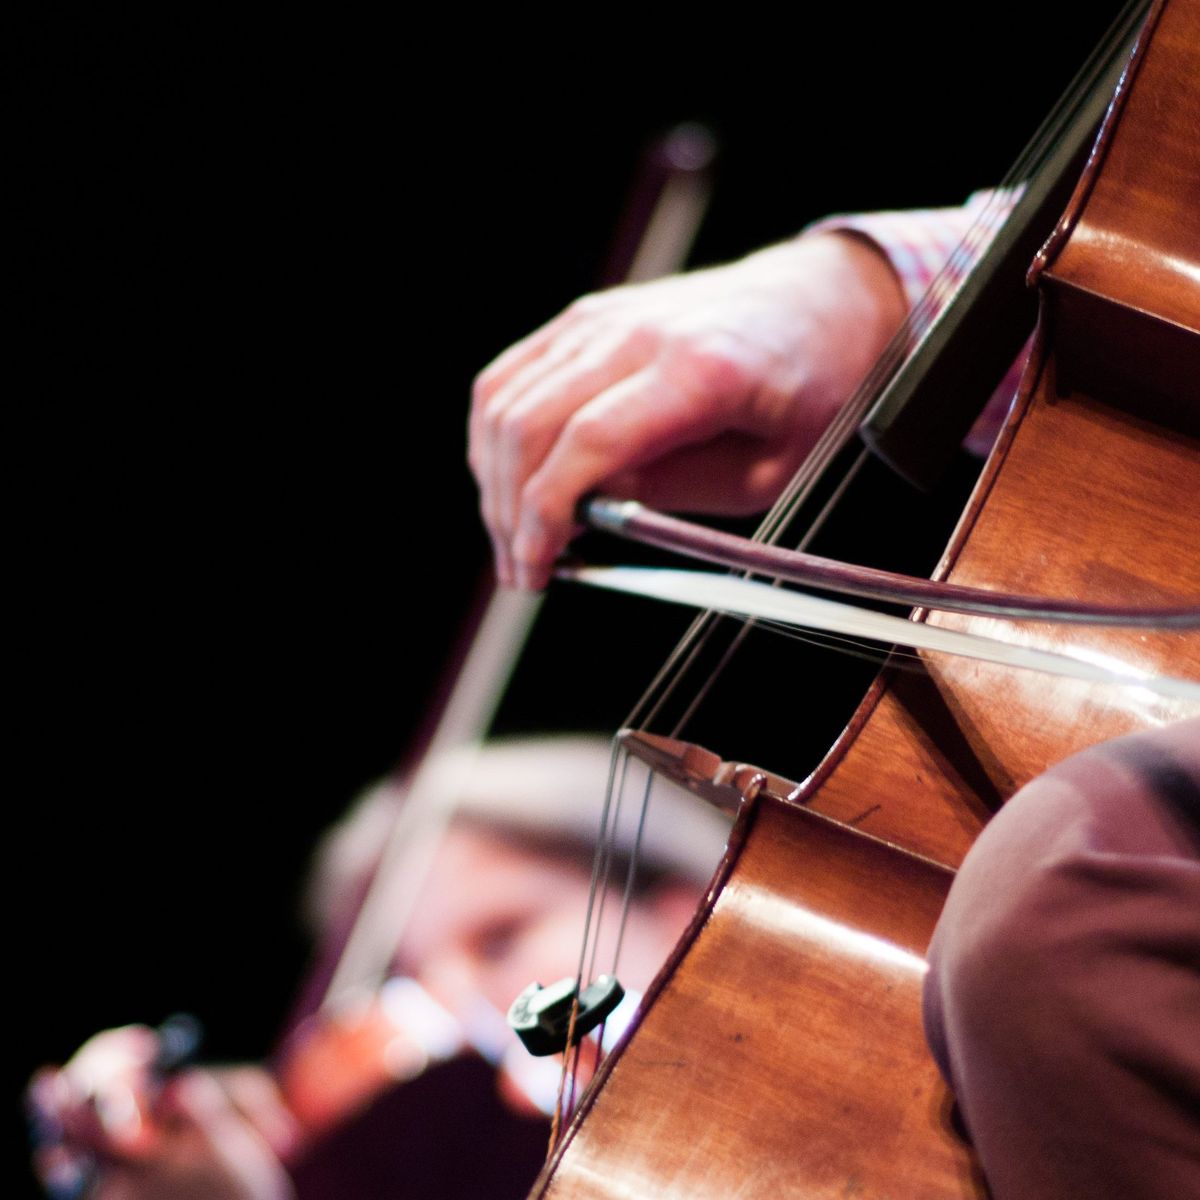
point(919, 244)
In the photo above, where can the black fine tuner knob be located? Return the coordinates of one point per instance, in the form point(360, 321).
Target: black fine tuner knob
point(541, 1016)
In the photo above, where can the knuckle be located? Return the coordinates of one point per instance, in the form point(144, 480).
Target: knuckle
point(492, 523)
point(586, 306)
point(763, 490)
point(492, 422)
point(482, 387)
point(513, 427)
point(643, 339)
point(539, 505)
point(707, 370)
point(590, 431)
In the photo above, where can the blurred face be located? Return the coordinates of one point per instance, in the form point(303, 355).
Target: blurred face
point(493, 918)
point(496, 916)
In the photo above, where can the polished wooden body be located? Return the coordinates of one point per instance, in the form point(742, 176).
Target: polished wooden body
point(745, 1077)
point(1121, 274)
point(1090, 494)
point(943, 749)
point(781, 1053)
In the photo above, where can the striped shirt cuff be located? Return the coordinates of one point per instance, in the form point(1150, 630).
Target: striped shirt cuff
point(918, 244)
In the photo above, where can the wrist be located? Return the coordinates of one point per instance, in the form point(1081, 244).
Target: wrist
point(882, 289)
point(841, 267)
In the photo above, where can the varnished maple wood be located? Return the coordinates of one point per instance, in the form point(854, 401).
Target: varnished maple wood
point(1085, 495)
point(942, 750)
point(1121, 275)
point(752, 1073)
point(781, 1053)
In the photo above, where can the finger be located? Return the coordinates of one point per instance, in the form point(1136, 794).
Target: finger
point(107, 1092)
point(498, 372)
point(638, 420)
point(505, 572)
point(530, 413)
point(547, 343)
point(47, 1096)
point(488, 403)
point(482, 450)
point(530, 424)
point(484, 434)
point(121, 1052)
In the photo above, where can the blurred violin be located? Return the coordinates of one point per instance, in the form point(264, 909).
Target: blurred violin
point(356, 1030)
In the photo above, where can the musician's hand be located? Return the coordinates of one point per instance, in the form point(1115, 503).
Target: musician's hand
point(701, 391)
point(113, 1131)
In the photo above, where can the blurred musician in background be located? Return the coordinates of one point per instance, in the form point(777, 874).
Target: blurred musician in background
point(416, 1112)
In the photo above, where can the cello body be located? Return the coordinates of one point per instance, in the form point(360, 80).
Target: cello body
point(780, 1051)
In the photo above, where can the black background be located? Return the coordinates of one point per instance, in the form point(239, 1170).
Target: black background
point(259, 268)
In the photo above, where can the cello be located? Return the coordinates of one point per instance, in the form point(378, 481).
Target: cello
point(780, 1051)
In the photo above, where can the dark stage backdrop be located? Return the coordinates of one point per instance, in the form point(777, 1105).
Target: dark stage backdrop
point(260, 266)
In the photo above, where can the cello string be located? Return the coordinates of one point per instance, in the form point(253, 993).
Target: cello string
point(602, 867)
point(616, 757)
point(609, 840)
point(993, 211)
point(831, 443)
point(798, 491)
point(626, 901)
point(747, 625)
point(827, 448)
point(593, 925)
point(570, 1064)
point(631, 872)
